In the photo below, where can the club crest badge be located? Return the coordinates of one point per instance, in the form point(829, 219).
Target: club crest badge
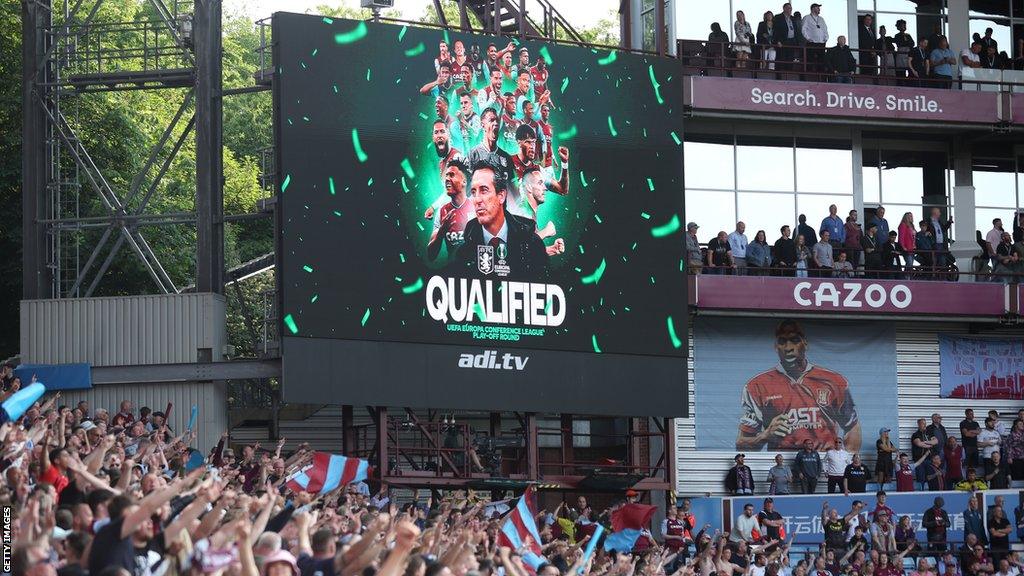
point(485, 259)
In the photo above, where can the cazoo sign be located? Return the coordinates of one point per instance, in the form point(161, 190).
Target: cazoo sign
point(850, 295)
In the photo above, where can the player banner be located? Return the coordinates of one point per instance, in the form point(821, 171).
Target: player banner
point(981, 368)
point(772, 384)
point(447, 189)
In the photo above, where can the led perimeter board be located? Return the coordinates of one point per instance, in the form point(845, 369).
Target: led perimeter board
point(469, 223)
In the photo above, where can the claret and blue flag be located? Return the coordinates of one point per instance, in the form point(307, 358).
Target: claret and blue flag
point(520, 527)
point(628, 522)
point(327, 472)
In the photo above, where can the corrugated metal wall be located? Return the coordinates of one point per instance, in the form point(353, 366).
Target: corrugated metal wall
point(211, 398)
point(123, 331)
point(917, 373)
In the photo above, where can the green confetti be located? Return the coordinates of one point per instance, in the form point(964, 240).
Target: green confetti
point(290, 323)
point(401, 33)
point(580, 246)
point(405, 187)
point(671, 227)
point(330, 182)
point(650, 184)
point(583, 179)
point(565, 84)
point(287, 181)
point(447, 40)
point(424, 116)
point(416, 50)
point(611, 127)
point(645, 215)
point(360, 155)
point(407, 167)
point(414, 287)
point(676, 342)
point(570, 133)
point(328, 20)
point(354, 35)
point(335, 88)
point(308, 268)
point(598, 218)
point(366, 316)
point(547, 56)
point(596, 276)
point(367, 74)
point(420, 226)
point(315, 50)
point(337, 213)
point(401, 257)
point(314, 298)
point(478, 310)
point(593, 340)
point(369, 182)
point(612, 55)
point(654, 82)
point(676, 138)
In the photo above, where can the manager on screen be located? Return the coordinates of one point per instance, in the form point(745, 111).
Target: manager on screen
point(499, 244)
point(797, 401)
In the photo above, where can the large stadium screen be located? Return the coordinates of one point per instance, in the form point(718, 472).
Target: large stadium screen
point(472, 222)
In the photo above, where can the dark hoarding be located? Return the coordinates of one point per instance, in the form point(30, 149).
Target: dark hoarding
point(469, 222)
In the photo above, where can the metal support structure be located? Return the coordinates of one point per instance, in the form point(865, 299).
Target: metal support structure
point(660, 39)
point(532, 451)
point(36, 280)
point(209, 148)
point(348, 440)
point(567, 438)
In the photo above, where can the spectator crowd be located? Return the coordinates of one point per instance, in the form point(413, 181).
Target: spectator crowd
point(790, 41)
point(843, 248)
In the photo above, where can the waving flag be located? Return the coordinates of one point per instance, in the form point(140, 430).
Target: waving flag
point(327, 472)
point(627, 524)
point(520, 524)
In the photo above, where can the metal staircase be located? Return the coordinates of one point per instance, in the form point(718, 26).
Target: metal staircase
point(518, 18)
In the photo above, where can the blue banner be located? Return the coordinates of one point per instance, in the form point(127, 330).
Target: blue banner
point(803, 513)
point(771, 384)
point(57, 376)
point(981, 368)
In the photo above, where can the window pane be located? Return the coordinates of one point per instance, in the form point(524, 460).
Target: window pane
point(989, 8)
point(911, 6)
point(866, 5)
point(904, 184)
point(994, 183)
point(984, 216)
point(870, 179)
point(815, 207)
point(694, 18)
point(889, 21)
point(767, 212)
point(708, 165)
point(1000, 31)
point(819, 170)
point(713, 211)
point(764, 168)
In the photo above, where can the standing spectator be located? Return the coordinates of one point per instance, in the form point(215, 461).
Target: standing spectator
point(866, 46)
point(993, 237)
point(971, 57)
point(1001, 428)
point(744, 526)
point(942, 60)
point(718, 46)
point(999, 533)
point(1018, 519)
point(786, 36)
point(935, 473)
point(997, 472)
point(886, 50)
point(807, 466)
point(802, 229)
point(907, 240)
point(969, 431)
point(880, 505)
point(853, 238)
point(879, 220)
point(673, 531)
point(906, 472)
point(935, 522)
point(940, 234)
point(953, 456)
point(842, 268)
point(989, 440)
point(823, 254)
point(891, 251)
point(759, 255)
point(693, 256)
point(743, 38)
point(834, 225)
point(771, 521)
point(803, 256)
point(739, 480)
point(815, 33)
point(738, 245)
point(766, 40)
point(1015, 450)
point(719, 255)
point(973, 521)
point(855, 477)
point(924, 247)
point(785, 253)
point(124, 417)
point(872, 257)
point(779, 477)
point(840, 64)
point(978, 564)
point(1006, 259)
point(938, 432)
point(836, 460)
point(921, 442)
point(905, 534)
point(920, 63)
point(835, 527)
point(884, 450)
point(883, 535)
point(904, 44)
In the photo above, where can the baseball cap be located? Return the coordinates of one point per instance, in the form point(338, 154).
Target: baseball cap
point(632, 492)
point(87, 425)
point(279, 557)
point(883, 430)
point(815, 5)
point(692, 225)
point(738, 456)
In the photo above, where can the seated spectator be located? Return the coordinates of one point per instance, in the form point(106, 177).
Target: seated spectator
point(842, 267)
point(759, 255)
point(972, 483)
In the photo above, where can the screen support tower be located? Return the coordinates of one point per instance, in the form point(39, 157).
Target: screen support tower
point(69, 54)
